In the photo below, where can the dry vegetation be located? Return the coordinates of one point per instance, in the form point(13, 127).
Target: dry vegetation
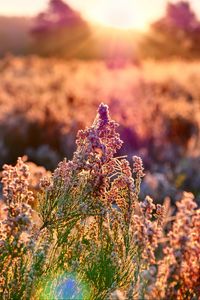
point(90, 236)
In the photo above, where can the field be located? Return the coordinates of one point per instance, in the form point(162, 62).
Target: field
point(100, 150)
point(44, 102)
point(102, 223)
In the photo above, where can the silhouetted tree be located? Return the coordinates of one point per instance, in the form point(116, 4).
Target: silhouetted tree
point(175, 34)
point(59, 30)
point(178, 16)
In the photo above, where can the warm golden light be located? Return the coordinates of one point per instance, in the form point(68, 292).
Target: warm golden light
point(122, 14)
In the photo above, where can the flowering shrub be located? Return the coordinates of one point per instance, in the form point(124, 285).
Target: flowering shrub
point(90, 237)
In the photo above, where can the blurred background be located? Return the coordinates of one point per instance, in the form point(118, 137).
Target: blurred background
point(60, 59)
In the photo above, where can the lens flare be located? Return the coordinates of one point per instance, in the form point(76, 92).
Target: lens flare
point(65, 287)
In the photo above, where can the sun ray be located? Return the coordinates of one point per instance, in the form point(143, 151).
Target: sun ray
point(121, 14)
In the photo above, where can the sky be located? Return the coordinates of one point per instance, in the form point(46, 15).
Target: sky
point(125, 13)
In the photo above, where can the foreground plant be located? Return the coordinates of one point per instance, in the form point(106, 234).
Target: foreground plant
point(90, 236)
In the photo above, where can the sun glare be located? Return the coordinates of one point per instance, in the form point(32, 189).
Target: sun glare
point(122, 14)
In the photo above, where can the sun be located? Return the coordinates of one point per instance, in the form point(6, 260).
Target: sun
point(122, 14)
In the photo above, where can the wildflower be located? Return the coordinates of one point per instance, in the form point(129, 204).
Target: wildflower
point(15, 183)
point(138, 166)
